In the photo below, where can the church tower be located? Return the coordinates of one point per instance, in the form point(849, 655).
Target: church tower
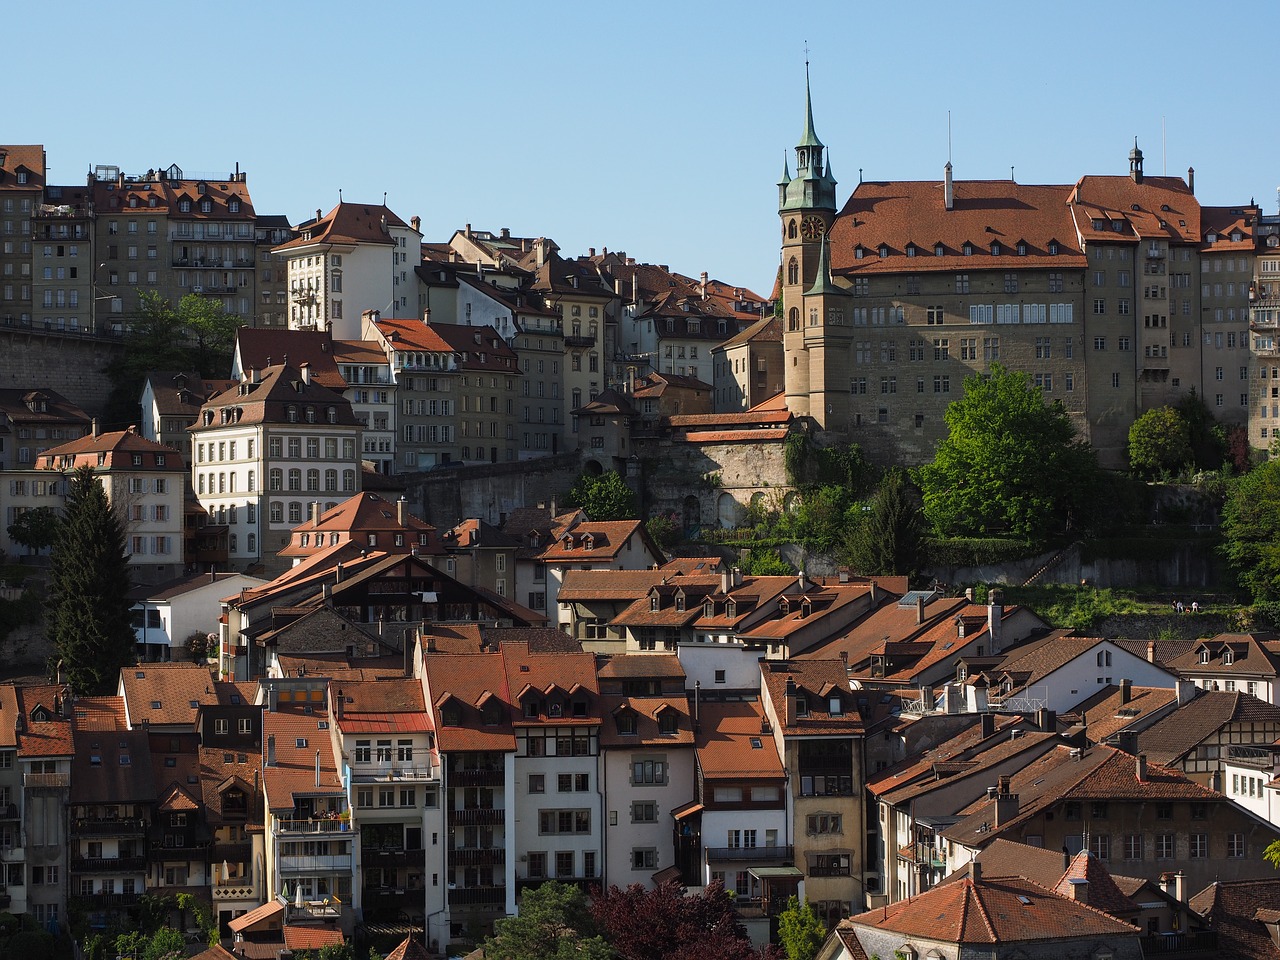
point(807, 208)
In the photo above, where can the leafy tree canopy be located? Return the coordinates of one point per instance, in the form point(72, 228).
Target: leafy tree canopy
point(667, 922)
point(1251, 530)
point(889, 536)
point(603, 497)
point(1159, 442)
point(1205, 436)
point(800, 930)
point(35, 529)
point(88, 619)
point(198, 334)
point(554, 923)
point(1011, 463)
point(764, 563)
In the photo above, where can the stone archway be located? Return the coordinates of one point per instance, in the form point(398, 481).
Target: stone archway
point(727, 510)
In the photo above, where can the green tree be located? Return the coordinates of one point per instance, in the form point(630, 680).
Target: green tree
point(764, 563)
point(664, 529)
point(1251, 530)
point(153, 340)
point(554, 923)
point(1159, 442)
point(1011, 463)
point(889, 539)
point(603, 497)
point(211, 333)
point(1205, 436)
point(35, 529)
point(88, 619)
point(800, 930)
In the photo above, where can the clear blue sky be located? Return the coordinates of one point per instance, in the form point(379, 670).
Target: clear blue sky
point(653, 127)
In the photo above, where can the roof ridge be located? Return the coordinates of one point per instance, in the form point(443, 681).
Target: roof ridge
point(982, 912)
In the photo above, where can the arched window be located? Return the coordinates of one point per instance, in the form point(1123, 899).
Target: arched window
point(793, 319)
point(793, 271)
point(332, 414)
point(313, 481)
point(791, 230)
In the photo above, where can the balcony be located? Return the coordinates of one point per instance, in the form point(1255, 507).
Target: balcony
point(477, 817)
point(329, 909)
point(317, 863)
point(108, 864)
point(375, 857)
point(106, 901)
point(750, 854)
point(234, 891)
point(478, 857)
point(10, 812)
point(385, 898)
point(231, 852)
point(117, 827)
point(579, 341)
point(476, 778)
point(300, 828)
point(478, 897)
point(392, 774)
point(1194, 944)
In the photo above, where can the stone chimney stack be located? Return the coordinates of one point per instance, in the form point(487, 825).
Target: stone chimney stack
point(1151, 651)
point(1126, 690)
point(402, 511)
point(791, 701)
point(920, 609)
point(995, 612)
point(271, 750)
point(1141, 762)
point(948, 188)
point(1079, 889)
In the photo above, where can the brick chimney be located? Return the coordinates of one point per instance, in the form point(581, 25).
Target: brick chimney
point(995, 611)
point(791, 701)
point(1141, 761)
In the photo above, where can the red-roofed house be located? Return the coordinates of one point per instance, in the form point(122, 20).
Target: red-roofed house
point(595, 545)
point(144, 482)
point(356, 257)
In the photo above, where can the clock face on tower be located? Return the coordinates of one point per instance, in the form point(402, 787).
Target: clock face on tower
point(811, 228)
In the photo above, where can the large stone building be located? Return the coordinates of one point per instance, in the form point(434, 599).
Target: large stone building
point(1116, 294)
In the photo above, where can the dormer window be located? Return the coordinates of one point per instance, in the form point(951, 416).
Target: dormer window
point(1022, 249)
point(626, 722)
point(491, 715)
point(184, 206)
point(708, 609)
point(450, 715)
point(206, 206)
point(835, 706)
point(668, 722)
point(531, 709)
point(968, 249)
point(1228, 657)
point(884, 251)
point(802, 707)
point(995, 249)
point(1236, 235)
point(1204, 654)
point(911, 249)
point(680, 602)
point(233, 206)
point(1053, 248)
point(731, 609)
point(857, 252)
point(653, 603)
point(291, 413)
point(938, 249)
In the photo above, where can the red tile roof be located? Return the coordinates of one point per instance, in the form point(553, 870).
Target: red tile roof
point(347, 223)
point(469, 680)
point(1235, 909)
point(166, 693)
point(260, 347)
point(298, 738)
point(996, 910)
point(120, 450)
point(311, 938)
point(732, 743)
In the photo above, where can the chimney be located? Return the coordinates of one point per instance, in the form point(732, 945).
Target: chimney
point(801, 582)
point(466, 231)
point(1179, 887)
point(213, 577)
point(725, 580)
point(505, 233)
point(304, 368)
point(995, 611)
point(95, 428)
point(1078, 889)
point(987, 725)
point(271, 749)
point(791, 701)
point(1191, 179)
point(1006, 803)
point(1126, 690)
point(1047, 720)
point(948, 188)
point(317, 213)
point(337, 572)
point(1141, 764)
point(737, 576)
point(920, 609)
point(591, 251)
point(339, 703)
point(1127, 740)
point(975, 870)
point(273, 703)
point(968, 594)
point(401, 509)
point(317, 768)
point(1186, 692)
point(1151, 651)
point(702, 287)
point(415, 222)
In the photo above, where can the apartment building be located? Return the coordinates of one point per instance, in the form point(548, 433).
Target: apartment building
point(36, 419)
point(145, 483)
point(272, 306)
point(22, 184)
point(171, 402)
point(356, 257)
point(265, 449)
point(746, 369)
point(174, 234)
point(62, 275)
point(1264, 321)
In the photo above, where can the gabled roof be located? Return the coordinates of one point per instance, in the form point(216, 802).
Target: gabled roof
point(360, 515)
point(166, 693)
point(1103, 892)
point(732, 744)
point(994, 910)
point(543, 671)
point(409, 949)
point(466, 680)
point(51, 736)
point(1236, 909)
point(1230, 654)
point(820, 682)
point(1107, 712)
point(1173, 737)
point(268, 399)
point(298, 738)
point(125, 450)
point(595, 540)
point(260, 347)
point(180, 393)
point(647, 711)
point(347, 223)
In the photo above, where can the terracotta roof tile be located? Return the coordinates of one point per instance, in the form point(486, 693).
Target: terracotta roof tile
point(732, 744)
point(311, 938)
point(1231, 908)
point(298, 738)
point(258, 348)
point(1171, 738)
point(166, 693)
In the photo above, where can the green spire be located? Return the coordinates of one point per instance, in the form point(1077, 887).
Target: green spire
point(827, 175)
point(822, 282)
point(786, 171)
point(808, 138)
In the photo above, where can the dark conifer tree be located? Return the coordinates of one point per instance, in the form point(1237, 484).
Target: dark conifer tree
point(88, 617)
